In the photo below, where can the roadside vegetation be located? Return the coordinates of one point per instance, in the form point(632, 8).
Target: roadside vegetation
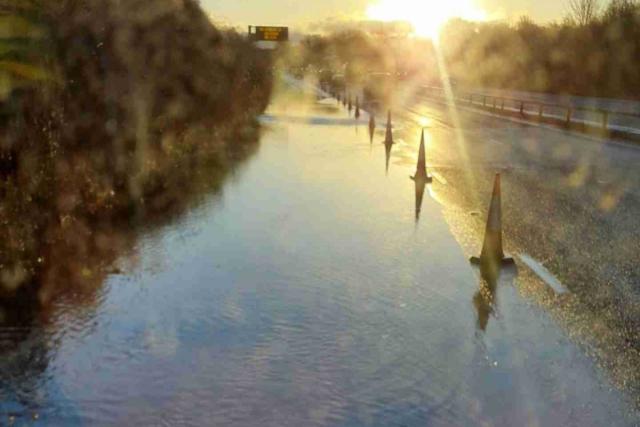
point(353, 53)
point(594, 51)
point(114, 114)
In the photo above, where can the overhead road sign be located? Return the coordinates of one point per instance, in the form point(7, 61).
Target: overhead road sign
point(268, 33)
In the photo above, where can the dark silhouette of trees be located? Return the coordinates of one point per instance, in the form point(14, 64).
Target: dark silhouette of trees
point(590, 53)
point(594, 51)
point(583, 12)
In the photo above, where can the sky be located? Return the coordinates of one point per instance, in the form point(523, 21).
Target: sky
point(307, 14)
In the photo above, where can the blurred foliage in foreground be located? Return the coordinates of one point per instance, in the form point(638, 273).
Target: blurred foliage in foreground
point(150, 104)
point(25, 51)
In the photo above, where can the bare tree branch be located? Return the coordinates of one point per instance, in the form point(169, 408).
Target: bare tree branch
point(583, 12)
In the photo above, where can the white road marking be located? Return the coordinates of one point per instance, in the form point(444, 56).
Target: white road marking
point(543, 273)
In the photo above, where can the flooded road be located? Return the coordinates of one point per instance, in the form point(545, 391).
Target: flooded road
point(308, 293)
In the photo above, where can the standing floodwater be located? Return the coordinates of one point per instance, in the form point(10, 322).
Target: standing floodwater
point(305, 293)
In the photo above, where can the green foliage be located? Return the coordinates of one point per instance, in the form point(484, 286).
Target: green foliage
point(25, 56)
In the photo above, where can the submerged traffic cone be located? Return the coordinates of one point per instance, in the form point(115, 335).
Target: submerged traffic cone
point(372, 127)
point(357, 108)
point(420, 186)
point(421, 171)
point(388, 138)
point(492, 257)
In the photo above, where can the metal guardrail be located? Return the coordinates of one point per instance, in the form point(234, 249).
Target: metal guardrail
point(542, 110)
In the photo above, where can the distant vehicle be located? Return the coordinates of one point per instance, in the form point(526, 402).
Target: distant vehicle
point(378, 89)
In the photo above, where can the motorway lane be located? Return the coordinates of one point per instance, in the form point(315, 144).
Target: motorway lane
point(305, 292)
point(571, 205)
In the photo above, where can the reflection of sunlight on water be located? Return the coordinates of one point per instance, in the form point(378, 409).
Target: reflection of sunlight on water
point(434, 194)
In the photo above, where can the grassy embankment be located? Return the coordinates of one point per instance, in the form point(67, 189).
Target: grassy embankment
point(114, 114)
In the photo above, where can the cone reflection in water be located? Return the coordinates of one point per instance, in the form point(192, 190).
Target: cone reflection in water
point(420, 186)
point(421, 178)
point(372, 127)
point(492, 256)
point(387, 153)
point(388, 138)
point(486, 298)
point(484, 301)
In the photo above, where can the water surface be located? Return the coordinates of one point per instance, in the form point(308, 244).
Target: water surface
point(306, 293)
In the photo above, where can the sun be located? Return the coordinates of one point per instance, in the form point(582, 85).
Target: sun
point(426, 16)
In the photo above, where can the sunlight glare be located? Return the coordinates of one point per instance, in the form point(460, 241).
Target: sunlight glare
point(427, 17)
point(424, 122)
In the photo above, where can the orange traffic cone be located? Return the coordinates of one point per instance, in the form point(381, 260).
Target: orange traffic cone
point(388, 138)
point(492, 256)
point(421, 170)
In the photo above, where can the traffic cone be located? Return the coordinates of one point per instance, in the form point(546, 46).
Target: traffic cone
point(492, 257)
point(421, 170)
point(357, 108)
point(388, 138)
point(372, 127)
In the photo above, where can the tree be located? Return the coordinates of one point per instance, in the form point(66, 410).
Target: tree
point(583, 12)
